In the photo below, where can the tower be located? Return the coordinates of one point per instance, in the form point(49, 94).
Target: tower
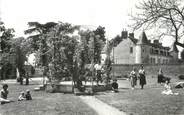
point(142, 49)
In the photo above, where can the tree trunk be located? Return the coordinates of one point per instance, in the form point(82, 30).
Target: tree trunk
point(179, 44)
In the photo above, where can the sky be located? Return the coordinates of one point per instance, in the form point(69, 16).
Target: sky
point(112, 14)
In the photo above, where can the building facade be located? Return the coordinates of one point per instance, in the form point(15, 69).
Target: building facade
point(143, 51)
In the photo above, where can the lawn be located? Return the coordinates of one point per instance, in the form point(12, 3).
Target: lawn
point(149, 101)
point(44, 103)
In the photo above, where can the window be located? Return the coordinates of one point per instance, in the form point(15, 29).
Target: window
point(153, 60)
point(131, 49)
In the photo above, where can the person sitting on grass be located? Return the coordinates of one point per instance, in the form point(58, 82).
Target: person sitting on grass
point(4, 94)
point(28, 95)
point(168, 90)
point(115, 86)
point(21, 96)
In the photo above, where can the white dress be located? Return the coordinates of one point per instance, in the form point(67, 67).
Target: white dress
point(168, 90)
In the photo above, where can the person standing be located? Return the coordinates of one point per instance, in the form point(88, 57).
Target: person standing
point(133, 78)
point(98, 68)
point(142, 77)
point(160, 76)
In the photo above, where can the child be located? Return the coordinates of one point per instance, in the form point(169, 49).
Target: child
point(115, 86)
point(28, 95)
point(168, 90)
point(21, 97)
point(4, 94)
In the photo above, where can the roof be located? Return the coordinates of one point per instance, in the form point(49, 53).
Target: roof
point(173, 48)
point(133, 40)
point(143, 38)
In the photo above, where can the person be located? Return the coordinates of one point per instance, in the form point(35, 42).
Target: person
point(168, 90)
point(28, 95)
point(4, 94)
point(79, 85)
point(142, 77)
point(21, 96)
point(133, 78)
point(27, 78)
point(21, 80)
point(114, 86)
point(98, 68)
point(160, 76)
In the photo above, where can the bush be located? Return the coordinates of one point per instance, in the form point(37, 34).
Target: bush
point(181, 77)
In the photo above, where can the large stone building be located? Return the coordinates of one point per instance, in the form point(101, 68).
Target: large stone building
point(143, 51)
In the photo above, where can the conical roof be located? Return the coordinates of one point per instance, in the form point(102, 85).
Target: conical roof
point(173, 48)
point(143, 38)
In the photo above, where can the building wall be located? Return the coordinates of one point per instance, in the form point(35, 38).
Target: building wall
point(122, 53)
point(142, 54)
point(174, 57)
point(145, 53)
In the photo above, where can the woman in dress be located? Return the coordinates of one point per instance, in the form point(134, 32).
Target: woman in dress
point(133, 78)
point(142, 77)
point(160, 76)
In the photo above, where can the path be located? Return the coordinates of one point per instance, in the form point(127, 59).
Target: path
point(100, 107)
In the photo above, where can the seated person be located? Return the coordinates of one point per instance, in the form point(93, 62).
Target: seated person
point(28, 95)
point(4, 94)
point(115, 86)
point(168, 90)
point(21, 96)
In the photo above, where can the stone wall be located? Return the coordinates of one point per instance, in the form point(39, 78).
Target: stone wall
point(169, 70)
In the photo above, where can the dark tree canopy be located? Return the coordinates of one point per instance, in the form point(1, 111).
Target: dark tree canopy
point(182, 55)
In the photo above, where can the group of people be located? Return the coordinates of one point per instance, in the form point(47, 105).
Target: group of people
point(134, 77)
point(22, 77)
point(4, 95)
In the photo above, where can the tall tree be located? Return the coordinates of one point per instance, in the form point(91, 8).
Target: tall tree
point(63, 45)
point(182, 55)
point(38, 38)
point(6, 36)
point(165, 15)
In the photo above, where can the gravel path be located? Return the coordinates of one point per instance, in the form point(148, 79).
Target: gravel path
point(100, 107)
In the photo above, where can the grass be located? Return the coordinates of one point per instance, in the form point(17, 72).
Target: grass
point(44, 103)
point(149, 101)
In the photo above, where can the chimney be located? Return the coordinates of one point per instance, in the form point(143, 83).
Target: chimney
point(156, 42)
point(124, 34)
point(131, 35)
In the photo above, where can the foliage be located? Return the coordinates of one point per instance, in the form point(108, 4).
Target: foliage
point(63, 48)
point(6, 36)
point(167, 16)
point(182, 55)
point(67, 54)
point(19, 49)
point(38, 39)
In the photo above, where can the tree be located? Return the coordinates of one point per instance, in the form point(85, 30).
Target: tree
point(165, 15)
point(20, 51)
point(5, 47)
point(182, 55)
point(38, 41)
point(6, 36)
point(62, 46)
